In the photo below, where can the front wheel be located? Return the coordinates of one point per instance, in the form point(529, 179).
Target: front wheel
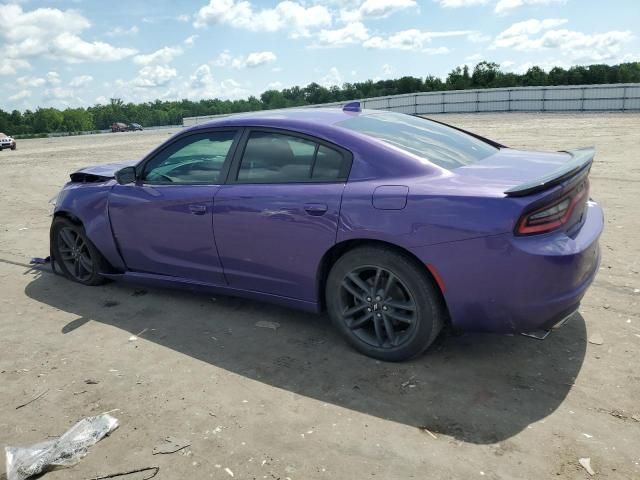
point(77, 257)
point(384, 304)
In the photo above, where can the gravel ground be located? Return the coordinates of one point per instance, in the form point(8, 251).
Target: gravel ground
point(296, 402)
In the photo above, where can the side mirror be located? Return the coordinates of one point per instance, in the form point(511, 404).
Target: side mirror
point(126, 175)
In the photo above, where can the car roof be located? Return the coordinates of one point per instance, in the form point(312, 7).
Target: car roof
point(286, 118)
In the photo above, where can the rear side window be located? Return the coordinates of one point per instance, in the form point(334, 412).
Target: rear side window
point(279, 158)
point(444, 146)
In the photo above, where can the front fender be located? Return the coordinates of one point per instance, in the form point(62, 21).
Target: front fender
point(89, 204)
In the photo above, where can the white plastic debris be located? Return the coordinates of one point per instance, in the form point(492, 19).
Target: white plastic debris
point(596, 339)
point(586, 464)
point(66, 450)
point(267, 324)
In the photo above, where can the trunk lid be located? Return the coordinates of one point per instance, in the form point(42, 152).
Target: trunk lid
point(517, 173)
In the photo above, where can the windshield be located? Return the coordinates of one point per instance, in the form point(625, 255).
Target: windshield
point(444, 146)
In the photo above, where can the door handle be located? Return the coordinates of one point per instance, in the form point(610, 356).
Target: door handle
point(316, 209)
point(198, 209)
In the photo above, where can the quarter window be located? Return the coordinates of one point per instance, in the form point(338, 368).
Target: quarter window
point(278, 158)
point(195, 159)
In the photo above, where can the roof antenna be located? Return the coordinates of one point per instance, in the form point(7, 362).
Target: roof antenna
point(352, 107)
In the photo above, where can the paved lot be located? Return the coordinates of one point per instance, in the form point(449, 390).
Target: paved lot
point(297, 402)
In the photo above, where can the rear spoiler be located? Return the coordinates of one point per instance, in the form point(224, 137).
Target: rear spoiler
point(581, 160)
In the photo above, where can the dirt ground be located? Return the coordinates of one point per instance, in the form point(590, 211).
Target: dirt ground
point(297, 402)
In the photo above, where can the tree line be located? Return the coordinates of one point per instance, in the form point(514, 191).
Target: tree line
point(483, 75)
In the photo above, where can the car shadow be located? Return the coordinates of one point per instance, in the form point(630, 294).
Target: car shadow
point(476, 388)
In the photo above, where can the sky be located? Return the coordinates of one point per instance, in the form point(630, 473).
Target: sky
point(70, 53)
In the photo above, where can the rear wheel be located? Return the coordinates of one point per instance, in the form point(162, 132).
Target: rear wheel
point(383, 303)
point(77, 257)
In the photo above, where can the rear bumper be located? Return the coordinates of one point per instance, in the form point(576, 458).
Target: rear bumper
point(511, 284)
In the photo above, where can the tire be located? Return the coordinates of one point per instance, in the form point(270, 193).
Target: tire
point(71, 246)
point(396, 320)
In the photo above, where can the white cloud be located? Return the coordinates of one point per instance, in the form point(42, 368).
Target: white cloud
point(275, 86)
point(184, 17)
point(286, 15)
point(332, 78)
point(521, 30)
point(30, 82)
point(252, 60)
point(375, 9)
point(255, 59)
point(190, 40)
point(223, 60)
point(507, 6)
point(21, 95)
point(53, 78)
point(536, 35)
point(121, 31)
point(352, 33)
point(202, 84)
point(162, 56)
point(461, 3)
point(153, 76)
point(80, 81)
point(387, 69)
point(50, 79)
point(52, 33)
point(414, 39)
point(10, 66)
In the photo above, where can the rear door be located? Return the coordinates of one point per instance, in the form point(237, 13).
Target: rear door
point(278, 213)
point(163, 222)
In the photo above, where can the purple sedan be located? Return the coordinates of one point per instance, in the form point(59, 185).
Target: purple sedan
point(396, 225)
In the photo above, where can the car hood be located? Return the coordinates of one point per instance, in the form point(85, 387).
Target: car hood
point(107, 170)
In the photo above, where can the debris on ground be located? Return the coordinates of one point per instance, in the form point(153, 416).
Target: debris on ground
point(596, 339)
point(228, 470)
point(66, 450)
point(586, 464)
point(171, 445)
point(426, 430)
point(133, 338)
point(39, 261)
point(32, 400)
point(267, 324)
point(91, 381)
point(130, 472)
point(409, 383)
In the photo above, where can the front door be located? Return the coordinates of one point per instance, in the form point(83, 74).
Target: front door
point(278, 214)
point(163, 222)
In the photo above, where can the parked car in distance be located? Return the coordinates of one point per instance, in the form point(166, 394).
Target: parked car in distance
point(394, 224)
point(132, 127)
point(7, 142)
point(119, 127)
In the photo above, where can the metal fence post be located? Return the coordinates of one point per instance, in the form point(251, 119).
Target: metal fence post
point(544, 99)
point(583, 90)
point(477, 100)
point(624, 98)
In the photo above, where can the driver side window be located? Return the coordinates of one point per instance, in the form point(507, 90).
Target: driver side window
point(195, 159)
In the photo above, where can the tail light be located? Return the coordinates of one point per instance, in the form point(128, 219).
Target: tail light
point(554, 215)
